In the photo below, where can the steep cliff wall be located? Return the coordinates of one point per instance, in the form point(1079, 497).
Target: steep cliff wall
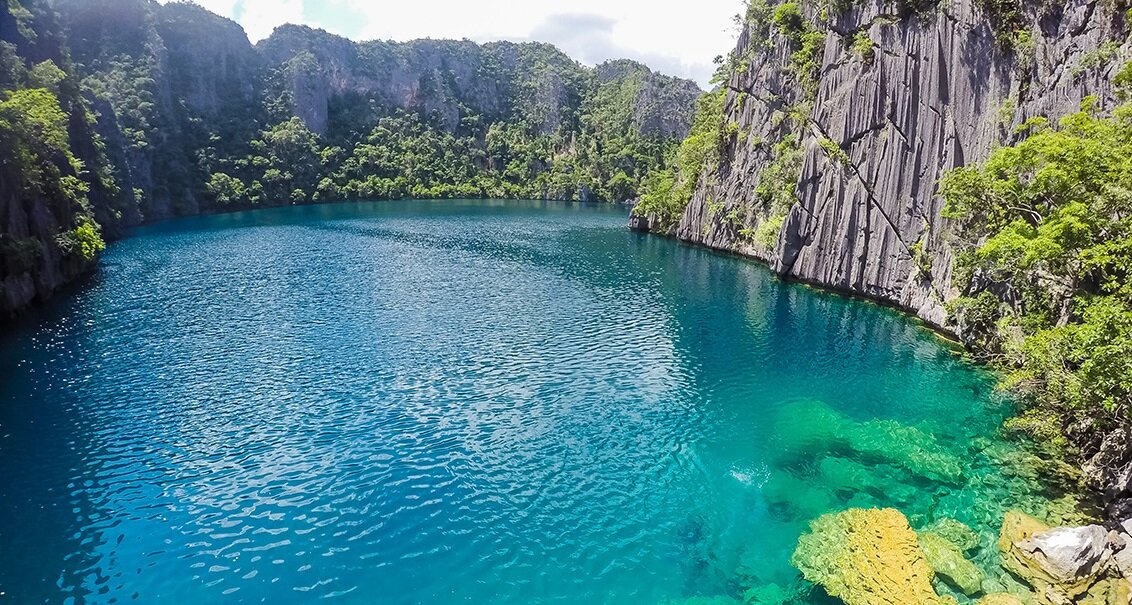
point(533, 83)
point(55, 181)
point(171, 111)
point(896, 96)
point(173, 75)
point(936, 91)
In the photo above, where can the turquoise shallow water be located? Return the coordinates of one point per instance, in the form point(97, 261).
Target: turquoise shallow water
point(458, 402)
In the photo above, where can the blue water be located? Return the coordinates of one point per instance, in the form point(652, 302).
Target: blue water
point(448, 402)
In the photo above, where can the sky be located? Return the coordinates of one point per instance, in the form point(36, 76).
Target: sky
point(676, 42)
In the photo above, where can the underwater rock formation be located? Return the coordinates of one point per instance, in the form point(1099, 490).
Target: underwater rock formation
point(948, 562)
point(873, 557)
point(813, 428)
point(867, 557)
point(1000, 598)
point(956, 533)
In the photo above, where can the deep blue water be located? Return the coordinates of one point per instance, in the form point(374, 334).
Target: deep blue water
point(448, 402)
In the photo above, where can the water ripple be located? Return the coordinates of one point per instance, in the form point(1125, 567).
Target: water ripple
point(429, 403)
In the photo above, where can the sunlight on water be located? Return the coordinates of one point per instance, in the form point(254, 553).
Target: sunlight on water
point(473, 402)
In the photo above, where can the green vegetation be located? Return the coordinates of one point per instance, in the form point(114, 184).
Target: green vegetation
point(834, 151)
point(921, 259)
point(666, 192)
point(37, 159)
point(808, 42)
point(767, 232)
point(1046, 248)
point(777, 189)
point(1123, 82)
point(1096, 58)
point(863, 46)
point(1008, 21)
point(84, 240)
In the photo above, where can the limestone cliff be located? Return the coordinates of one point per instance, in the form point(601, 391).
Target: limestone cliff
point(899, 94)
point(937, 90)
point(55, 183)
point(171, 75)
point(163, 97)
point(530, 82)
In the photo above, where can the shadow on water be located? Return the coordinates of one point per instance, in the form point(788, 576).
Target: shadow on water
point(61, 445)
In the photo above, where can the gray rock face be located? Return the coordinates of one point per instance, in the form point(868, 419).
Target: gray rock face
point(1122, 548)
point(660, 103)
point(939, 93)
point(1070, 553)
point(447, 78)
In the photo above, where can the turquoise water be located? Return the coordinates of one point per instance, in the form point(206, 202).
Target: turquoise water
point(458, 402)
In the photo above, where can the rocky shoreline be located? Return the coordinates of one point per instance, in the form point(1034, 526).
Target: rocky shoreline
point(874, 557)
point(935, 90)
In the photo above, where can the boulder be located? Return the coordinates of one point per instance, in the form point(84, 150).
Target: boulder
point(1064, 564)
point(867, 557)
point(1107, 591)
point(1121, 544)
point(948, 562)
point(1070, 553)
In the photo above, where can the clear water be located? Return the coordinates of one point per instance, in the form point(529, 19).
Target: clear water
point(454, 402)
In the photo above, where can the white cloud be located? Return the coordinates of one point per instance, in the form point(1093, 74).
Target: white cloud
point(261, 17)
point(680, 39)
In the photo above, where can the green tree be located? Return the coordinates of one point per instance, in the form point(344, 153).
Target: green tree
point(1045, 232)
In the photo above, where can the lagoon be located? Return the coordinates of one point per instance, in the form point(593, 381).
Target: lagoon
point(463, 402)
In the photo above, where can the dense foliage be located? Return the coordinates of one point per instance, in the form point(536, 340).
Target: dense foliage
point(54, 176)
point(529, 123)
point(1046, 229)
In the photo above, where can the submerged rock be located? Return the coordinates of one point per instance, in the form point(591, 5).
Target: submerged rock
point(911, 448)
point(775, 594)
point(1000, 598)
point(705, 600)
point(956, 532)
point(794, 499)
point(811, 429)
point(948, 562)
point(867, 557)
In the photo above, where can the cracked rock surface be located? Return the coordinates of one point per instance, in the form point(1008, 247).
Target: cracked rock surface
point(939, 92)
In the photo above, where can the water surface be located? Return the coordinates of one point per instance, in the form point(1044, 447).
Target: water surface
point(455, 402)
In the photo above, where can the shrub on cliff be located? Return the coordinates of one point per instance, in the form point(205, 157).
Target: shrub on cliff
point(1046, 251)
point(666, 192)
